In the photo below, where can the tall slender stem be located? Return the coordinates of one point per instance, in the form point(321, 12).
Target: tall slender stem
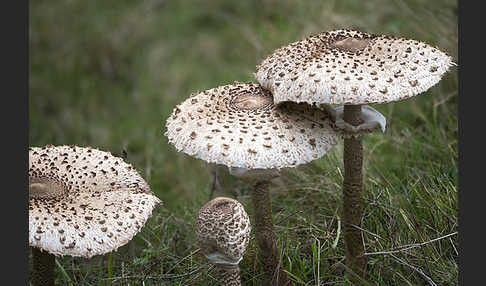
point(265, 238)
point(352, 188)
point(110, 268)
point(43, 268)
point(228, 275)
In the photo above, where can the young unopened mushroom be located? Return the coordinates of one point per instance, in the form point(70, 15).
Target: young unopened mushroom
point(82, 202)
point(352, 68)
point(223, 233)
point(239, 126)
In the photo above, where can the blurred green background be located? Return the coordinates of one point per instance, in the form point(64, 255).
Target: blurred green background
point(108, 73)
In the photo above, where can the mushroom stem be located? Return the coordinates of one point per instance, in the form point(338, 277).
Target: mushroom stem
point(228, 274)
point(265, 238)
point(352, 186)
point(43, 268)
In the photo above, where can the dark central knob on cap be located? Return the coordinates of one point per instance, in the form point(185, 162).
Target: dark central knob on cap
point(251, 102)
point(350, 44)
point(44, 188)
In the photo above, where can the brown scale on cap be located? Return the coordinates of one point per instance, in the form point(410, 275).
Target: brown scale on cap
point(251, 131)
point(351, 67)
point(73, 194)
point(223, 230)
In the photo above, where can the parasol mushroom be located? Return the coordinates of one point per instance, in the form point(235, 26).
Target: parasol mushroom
point(352, 68)
point(82, 202)
point(223, 233)
point(240, 127)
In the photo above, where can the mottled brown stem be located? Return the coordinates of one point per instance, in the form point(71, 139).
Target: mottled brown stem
point(265, 238)
point(228, 275)
point(352, 187)
point(43, 268)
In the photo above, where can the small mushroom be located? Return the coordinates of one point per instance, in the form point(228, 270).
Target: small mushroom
point(223, 233)
point(240, 127)
point(352, 68)
point(78, 196)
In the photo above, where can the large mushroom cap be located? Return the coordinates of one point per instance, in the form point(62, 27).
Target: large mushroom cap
point(351, 67)
point(239, 126)
point(83, 201)
point(223, 230)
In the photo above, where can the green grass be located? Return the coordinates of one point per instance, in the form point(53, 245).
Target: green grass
point(108, 74)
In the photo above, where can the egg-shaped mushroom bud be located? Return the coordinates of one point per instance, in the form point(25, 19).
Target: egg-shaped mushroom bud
point(239, 126)
point(82, 202)
point(352, 68)
point(223, 233)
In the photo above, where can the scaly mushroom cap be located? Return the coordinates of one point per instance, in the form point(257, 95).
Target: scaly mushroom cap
point(351, 67)
point(223, 230)
point(83, 201)
point(239, 126)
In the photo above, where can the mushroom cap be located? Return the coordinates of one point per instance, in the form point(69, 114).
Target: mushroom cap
point(351, 67)
point(223, 230)
point(83, 201)
point(238, 125)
